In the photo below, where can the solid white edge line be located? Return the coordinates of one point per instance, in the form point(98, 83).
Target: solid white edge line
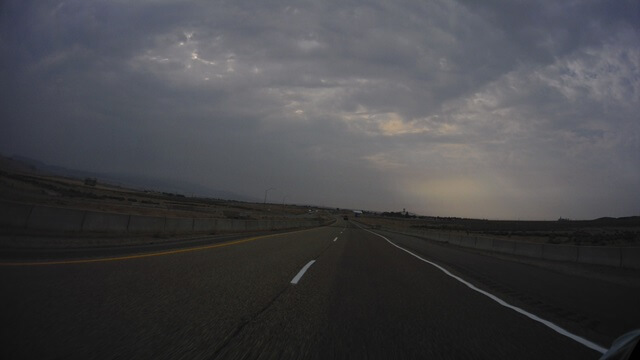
point(335, 238)
point(531, 316)
point(301, 272)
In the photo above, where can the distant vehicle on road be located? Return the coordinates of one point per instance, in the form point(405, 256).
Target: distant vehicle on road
point(346, 217)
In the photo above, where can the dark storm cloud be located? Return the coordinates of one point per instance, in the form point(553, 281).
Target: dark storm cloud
point(488, 109)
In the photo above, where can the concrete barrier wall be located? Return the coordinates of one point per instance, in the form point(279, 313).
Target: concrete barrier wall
point(278, 225)
point(36, 217)
point(504, 246)
point(467, 241)
point(630, 257)
point(457, 240)
point(528, 249)
point(105, 222)
point(146, 224)
point(600, 255)
point(264, 224)
point(484, 243)
point(442, 237)
point(232, 225)
point(204, 225)
point(223, 225)
point(178, 225)
point(626, 257)
point(238, 225)
point(15, 214)
point(560, 252)
point(49, 218)
point(252, 225)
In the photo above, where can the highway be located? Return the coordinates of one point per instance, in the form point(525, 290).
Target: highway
point(337, 291)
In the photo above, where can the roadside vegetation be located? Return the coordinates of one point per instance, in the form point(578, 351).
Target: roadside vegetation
point(598, 232)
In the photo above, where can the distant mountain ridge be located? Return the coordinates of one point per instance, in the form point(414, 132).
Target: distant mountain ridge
point(25, 164)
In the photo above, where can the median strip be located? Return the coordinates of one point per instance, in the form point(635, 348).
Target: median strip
point(145, 255)
point(301, 272)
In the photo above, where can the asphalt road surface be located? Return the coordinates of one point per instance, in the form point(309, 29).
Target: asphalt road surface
point(360, 297)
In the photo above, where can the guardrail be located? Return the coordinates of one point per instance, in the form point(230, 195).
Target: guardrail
point(47, 218)
point(616, 256)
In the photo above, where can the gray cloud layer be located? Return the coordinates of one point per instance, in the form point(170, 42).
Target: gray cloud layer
point(495, 109)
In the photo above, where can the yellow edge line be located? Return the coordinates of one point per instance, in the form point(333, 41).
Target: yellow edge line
point(138, 256)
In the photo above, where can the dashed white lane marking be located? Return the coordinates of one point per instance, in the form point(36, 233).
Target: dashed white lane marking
point(531, 316)
point(335, 238)
point(302, 271)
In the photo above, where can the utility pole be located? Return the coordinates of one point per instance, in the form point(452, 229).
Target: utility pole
point(265, 196)
point(283, 198)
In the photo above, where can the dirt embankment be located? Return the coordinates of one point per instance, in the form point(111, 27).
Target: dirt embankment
point(56, 191)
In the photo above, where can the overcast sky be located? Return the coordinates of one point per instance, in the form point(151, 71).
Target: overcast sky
point(491, 109)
